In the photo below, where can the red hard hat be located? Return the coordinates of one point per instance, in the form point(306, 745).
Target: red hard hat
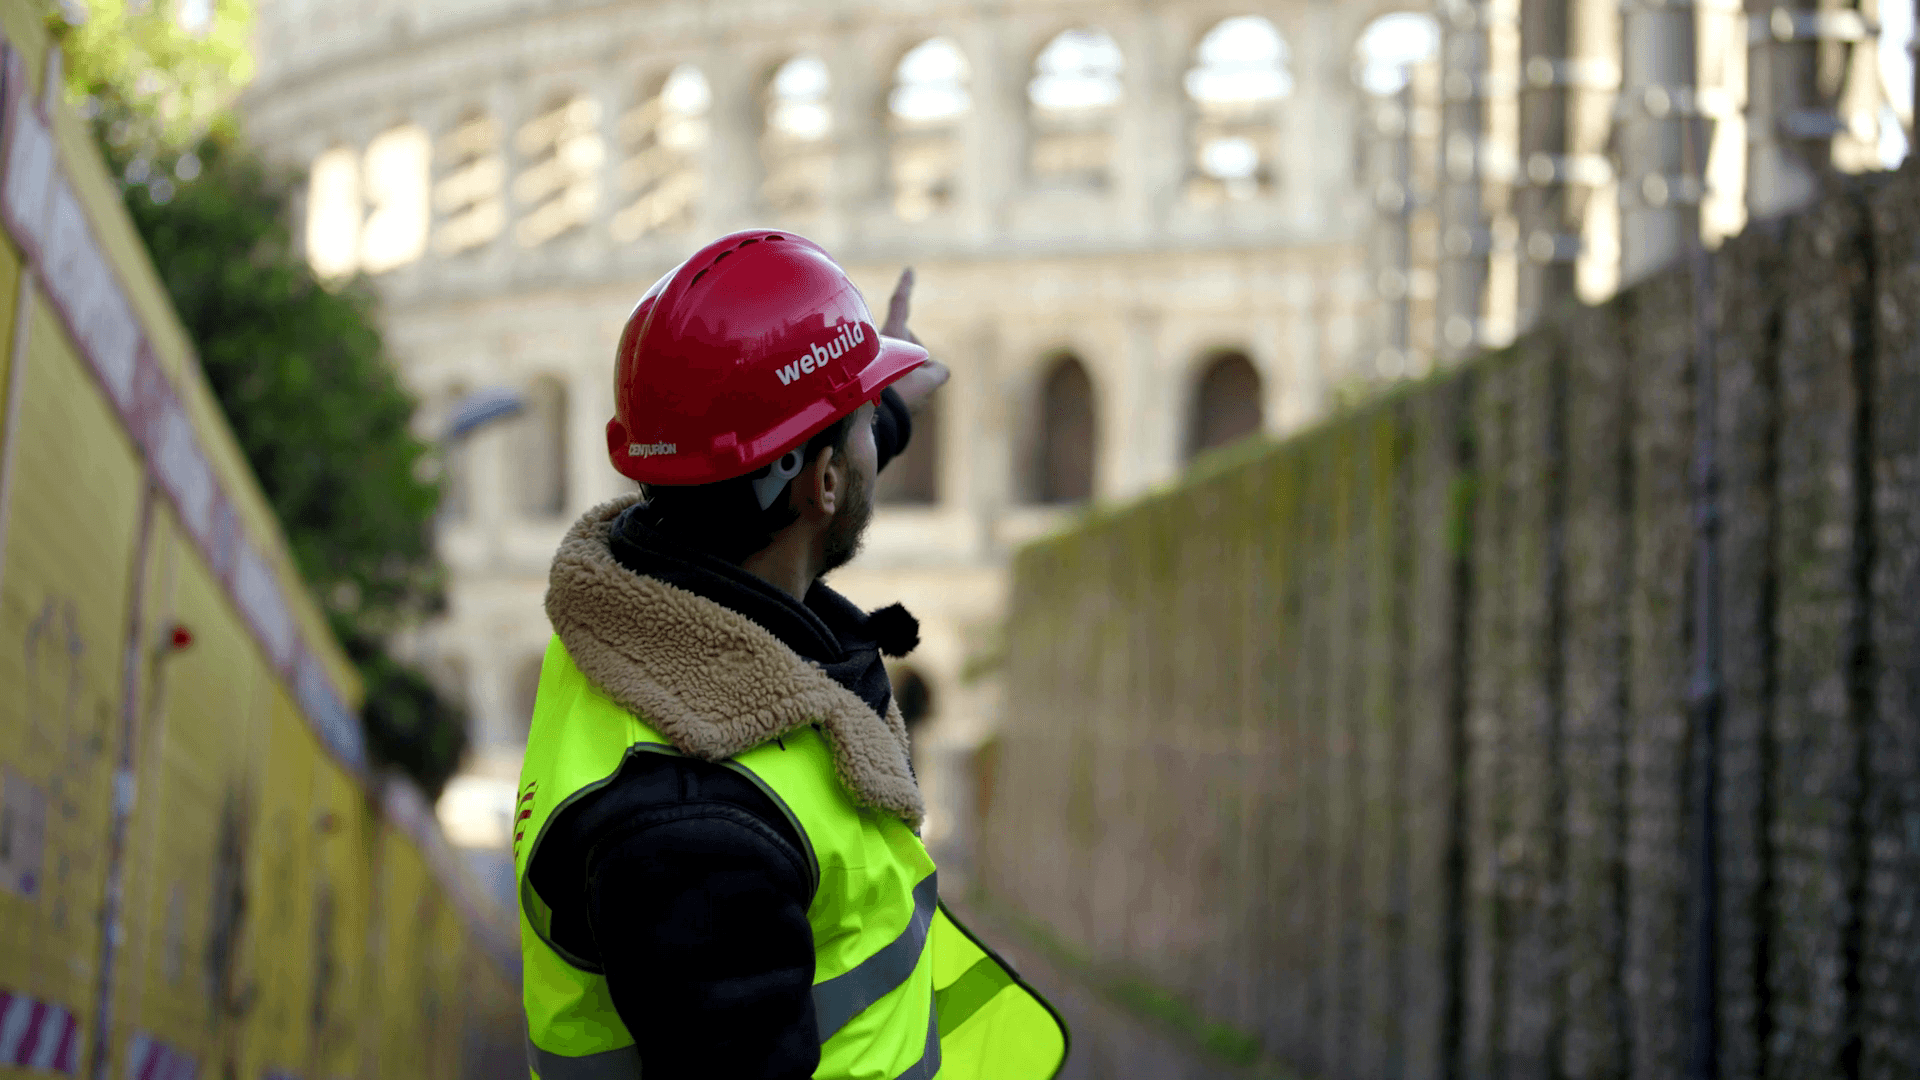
point(740, 354)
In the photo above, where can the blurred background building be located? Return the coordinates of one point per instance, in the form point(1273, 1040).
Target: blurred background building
point(1140, 231)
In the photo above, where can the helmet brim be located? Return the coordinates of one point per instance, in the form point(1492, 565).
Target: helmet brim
point(894, 359)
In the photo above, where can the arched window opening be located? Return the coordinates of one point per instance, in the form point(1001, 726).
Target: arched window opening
point(663, 139)
point(333, 214)
point(1391, 47)
point(1075, 93)
point(1065, 442)
point(795, 147)
point(395, 185)
point(369, 211)
point(913, 478)
point(560, 184)
point(914, 696)
point(1226, 404)
point(526, 691)
point(1240, 76)
point(928, 101)
point(540, 456)
point(471, 194)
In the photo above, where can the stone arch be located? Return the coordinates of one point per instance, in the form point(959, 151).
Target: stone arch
point(928, 99)
point(558, 187)
point(796, 135)
point(1066, 436)
point(540, 450)
point(662, 139)
point(913, 478)
point(469, 192)
point(1226, 402)
point(1075, 91)
point(1241, 72)
point(913, 692)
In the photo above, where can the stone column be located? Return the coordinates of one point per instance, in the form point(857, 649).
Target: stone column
point(1140, 419)
point(1319, 124)
point(984, 452)
point(1304, 401)
point(590, 477)
point(993, 137)
point(858, 93)
point(1660, 150)
point(615, 89)
point(1792, 101)
point(507, 106)
point(731, 171)
point(1389, 180)
point(1549, 234)
point(1464, 238)
point(1151, 148)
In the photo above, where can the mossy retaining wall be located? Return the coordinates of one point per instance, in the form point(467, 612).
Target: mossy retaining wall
point(1376, 744)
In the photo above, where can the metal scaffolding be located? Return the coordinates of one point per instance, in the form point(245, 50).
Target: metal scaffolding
point(1466, 240)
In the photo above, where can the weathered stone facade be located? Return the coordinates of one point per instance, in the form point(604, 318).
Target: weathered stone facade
point(561, 188)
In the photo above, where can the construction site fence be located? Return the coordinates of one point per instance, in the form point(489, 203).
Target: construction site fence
point(200, 874)
point(1387, 750)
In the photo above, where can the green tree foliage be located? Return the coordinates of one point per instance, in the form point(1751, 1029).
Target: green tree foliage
point(299, 368)
point(173, 65)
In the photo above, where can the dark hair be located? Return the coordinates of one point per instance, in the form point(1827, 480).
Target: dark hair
point(725, 519)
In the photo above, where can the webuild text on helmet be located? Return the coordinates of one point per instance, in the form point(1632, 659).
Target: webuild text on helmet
point(817, 355)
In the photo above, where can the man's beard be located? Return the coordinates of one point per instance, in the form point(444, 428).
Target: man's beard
point(849, 525)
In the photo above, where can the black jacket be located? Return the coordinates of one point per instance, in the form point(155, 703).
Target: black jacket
point(681, 880)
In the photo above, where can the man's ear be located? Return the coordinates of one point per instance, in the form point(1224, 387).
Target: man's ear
point(820, 486)
point(833, 480)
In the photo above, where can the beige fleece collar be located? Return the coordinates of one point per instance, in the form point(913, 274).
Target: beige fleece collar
point(712, 681)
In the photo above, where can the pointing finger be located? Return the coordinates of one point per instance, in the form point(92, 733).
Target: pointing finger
point(899, 306)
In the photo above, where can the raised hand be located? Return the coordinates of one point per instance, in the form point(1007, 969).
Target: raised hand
point(917, 385)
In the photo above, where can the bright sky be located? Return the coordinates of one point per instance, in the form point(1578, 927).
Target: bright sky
point(1242, 59)
point(1392, 44)
point(1080, 69)
point(800, 98)
point(685, 93)
point(931, 83)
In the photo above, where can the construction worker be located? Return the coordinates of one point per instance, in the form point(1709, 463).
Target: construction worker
point(717, 840)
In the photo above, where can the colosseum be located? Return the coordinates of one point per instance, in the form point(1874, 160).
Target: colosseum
point(1140, 231)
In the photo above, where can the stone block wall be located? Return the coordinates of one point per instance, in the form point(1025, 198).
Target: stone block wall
point(1380, 745)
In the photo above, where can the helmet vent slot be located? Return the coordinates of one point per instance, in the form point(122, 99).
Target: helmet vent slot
point(697, 277)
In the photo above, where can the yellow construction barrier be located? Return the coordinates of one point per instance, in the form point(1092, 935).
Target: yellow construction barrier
point(199, 877)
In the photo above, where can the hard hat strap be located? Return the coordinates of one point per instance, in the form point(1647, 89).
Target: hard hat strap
point(767, 488)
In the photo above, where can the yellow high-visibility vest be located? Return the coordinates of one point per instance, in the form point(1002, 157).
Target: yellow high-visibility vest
point(900, 989)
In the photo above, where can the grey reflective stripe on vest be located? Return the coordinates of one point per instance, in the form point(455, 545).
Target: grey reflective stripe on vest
point(929, 1063)
point(621, 1064)
point(841, 998)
